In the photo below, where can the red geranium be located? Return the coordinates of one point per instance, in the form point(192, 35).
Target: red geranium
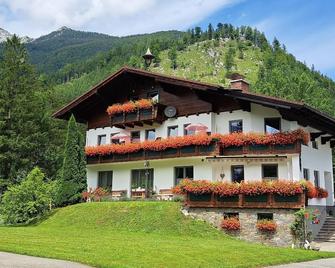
point(231, 224)
point(255, 188)
point(321, 193)
point(226, 189)
point(129, 106)
point(266, 225)
point(287, 188)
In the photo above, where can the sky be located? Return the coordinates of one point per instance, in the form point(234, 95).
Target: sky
point(306, 27)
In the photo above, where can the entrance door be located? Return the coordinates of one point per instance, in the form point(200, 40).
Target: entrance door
point(142, 180)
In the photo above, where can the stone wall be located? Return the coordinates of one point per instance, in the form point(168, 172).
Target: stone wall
point(248, 220)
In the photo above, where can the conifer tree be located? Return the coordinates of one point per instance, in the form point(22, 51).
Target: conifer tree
point(24, 121)
point(172, 54)
point(72, 181)
point(210, 31)
point(229, 60)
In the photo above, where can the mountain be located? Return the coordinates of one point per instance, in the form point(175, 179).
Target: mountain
point(268, 67)
point(5, 34)
point(65, 46)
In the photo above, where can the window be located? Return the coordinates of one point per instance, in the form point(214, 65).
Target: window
point(105, 179)
point(228, 215)
point(101, 139)
point(272, 125)
point(316, 178)
point(237, 173)
point(306, 173)
point(264, 216)
point(150, 134)
point(182, 173)
point(235, 126)
point(173, 131)
point(142, 178)
point(315, 144)
point(270, 171)
point(135, 137)
point(188, 132)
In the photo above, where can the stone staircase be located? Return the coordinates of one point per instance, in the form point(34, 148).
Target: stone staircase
point(327, 232)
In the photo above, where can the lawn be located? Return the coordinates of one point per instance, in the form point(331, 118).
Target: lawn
point(140, 234)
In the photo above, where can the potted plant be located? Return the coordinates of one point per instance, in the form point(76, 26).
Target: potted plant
point(231, 224)
point(265, 225)
point(256, 191)
point(227, 192)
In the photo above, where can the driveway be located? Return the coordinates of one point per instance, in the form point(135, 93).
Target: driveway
point(10, 260)
point(323, 263)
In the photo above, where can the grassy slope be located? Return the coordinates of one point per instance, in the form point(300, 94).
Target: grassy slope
point(205, 62)
point(139, 234)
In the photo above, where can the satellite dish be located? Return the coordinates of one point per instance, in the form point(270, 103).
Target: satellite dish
point(170, 111)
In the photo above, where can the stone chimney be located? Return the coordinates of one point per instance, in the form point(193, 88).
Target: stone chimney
point(239, 84)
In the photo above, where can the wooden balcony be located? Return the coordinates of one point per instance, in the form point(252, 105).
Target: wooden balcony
point(186, 151)
point(139, 117)
point(245, 201)
point(262, 149)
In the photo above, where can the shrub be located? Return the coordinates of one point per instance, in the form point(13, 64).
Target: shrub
point(27, 201)
point(231, 224)
point(266, 225)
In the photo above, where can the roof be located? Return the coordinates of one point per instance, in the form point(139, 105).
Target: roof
point(295, 107)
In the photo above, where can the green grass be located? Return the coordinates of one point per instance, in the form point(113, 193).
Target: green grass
point(140, 234)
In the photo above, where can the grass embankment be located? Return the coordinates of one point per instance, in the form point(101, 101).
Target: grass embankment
point(140, 234)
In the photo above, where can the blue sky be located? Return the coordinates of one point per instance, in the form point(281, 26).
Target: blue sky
point(306, 27)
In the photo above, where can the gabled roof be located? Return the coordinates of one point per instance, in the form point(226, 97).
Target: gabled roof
point(306, 114)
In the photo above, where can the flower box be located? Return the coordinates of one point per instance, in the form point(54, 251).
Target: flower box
point(138, 154)
point(117, 118)
point(153, 153)
point(187, 149)
point(262, 198)
point(286, 198)
point(206, 149)
point(284, 147)
point(230, 199)
point(146, 114)
point(131, 117)
point(200, 197)
point(258, 147)
point(120, 156)
point(169, 152)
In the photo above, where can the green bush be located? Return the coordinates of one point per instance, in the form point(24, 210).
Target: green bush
point(27, 201)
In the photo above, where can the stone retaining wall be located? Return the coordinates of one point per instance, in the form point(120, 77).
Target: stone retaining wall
point(248, 219)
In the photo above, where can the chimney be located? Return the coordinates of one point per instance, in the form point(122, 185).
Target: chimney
point(239, 84)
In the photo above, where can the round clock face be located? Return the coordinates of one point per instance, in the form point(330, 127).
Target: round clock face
point(170, 111)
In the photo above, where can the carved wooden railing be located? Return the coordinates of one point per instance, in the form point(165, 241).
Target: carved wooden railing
point(139, 117)
point(186, 151)
point(245, 201)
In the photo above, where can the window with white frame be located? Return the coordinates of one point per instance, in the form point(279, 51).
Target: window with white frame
point(101, 139)
point(183, 173)
point(270, 171)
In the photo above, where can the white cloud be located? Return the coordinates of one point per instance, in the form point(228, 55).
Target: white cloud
point(36, 17)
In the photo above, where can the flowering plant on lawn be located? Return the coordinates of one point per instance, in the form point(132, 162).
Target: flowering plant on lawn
point(231, 224)
point(266, 225)
point(129, 106)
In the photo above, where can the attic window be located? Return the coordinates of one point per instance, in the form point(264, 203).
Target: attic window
point(272, 125)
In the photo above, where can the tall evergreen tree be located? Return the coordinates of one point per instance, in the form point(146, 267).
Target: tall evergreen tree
point(24, 122)
point(72, 181)
point(229, 60)
point(210, 31)
point(172, 54)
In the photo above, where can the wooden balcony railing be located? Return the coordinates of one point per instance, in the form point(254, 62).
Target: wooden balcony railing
point(139, 117)
point(263, 149)
point(245, 201)
point(186, 151)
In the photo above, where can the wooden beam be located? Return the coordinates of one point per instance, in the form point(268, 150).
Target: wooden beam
point(130, 125)
point(140, 124)
point(324, 140)
point(315, 135)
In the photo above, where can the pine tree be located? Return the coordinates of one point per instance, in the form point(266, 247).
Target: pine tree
point(229, 60)
point(210, 31)
point(275, 45)
point(172, 54)
point(72, 181)
point(197, 33)
point(25, 124)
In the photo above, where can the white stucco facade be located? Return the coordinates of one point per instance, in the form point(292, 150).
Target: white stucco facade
point(290, 166)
